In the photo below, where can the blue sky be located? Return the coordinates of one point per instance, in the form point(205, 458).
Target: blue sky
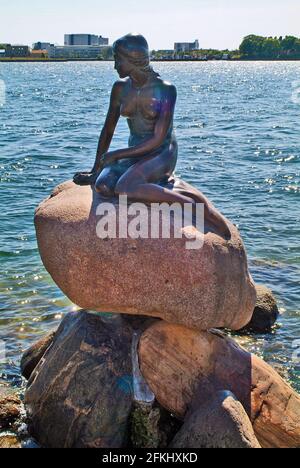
point(216, 23)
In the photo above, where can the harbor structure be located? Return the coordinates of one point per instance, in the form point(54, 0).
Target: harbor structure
point(12, 51)
point(76, 52)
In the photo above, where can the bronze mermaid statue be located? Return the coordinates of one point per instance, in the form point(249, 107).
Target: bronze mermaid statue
point(143, 171)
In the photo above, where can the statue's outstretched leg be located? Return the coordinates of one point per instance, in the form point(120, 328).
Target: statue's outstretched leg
point(139, 184)
point(212, 216)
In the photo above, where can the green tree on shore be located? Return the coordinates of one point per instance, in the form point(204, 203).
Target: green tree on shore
point(251, 46)
point(259, 47)
point(270, 48)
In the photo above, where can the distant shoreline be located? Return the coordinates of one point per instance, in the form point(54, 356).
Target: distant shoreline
point(23, 60)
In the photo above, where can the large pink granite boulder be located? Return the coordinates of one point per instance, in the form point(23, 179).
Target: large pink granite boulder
point(199, 288)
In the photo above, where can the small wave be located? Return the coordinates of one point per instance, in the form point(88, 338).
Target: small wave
point(273, 264)
point(288, 159)
point(292, 188)
point(2, 93)
point(296, 92)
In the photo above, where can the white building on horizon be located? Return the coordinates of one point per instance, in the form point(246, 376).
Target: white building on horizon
point(186, 46)
point(85, 40)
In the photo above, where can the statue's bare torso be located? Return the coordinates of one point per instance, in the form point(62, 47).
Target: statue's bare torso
point(142, 106)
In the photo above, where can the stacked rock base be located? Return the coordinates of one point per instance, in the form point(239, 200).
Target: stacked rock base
point(148, 375)
point(82, 393)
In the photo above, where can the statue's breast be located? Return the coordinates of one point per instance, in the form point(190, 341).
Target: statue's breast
point(140, 104)
point(150, 107)
point(129, 107)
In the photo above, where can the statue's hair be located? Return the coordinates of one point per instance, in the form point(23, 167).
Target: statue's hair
point(136, 50)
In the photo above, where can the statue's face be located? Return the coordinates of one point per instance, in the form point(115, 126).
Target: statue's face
point(122, 66)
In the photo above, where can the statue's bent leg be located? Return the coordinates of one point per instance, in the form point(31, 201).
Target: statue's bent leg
point(106, 181)
point(140, 182)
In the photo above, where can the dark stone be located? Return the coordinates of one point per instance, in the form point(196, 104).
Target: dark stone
point(145, 425)
point(80, 394)
point(169, 426)
point(152, 426)
point(265, 313)
point(34, 354)
point(220, 423)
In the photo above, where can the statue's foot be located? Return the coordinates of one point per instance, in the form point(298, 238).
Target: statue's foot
point(84, 178)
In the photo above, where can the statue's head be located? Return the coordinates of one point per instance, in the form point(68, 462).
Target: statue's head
point(131, 53)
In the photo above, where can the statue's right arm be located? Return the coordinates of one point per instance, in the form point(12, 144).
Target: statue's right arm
point(110, 124)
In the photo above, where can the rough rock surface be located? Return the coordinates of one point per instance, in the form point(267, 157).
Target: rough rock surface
point(218, 423)
point(265, 313)
point(145, 426)
point(34, 354)
point(203, 288)
point(80, 393)
point(9, 442)
point(10, 409)
point(179, 363)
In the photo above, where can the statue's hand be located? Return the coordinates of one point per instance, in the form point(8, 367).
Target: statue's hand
point(85, 178)
point(107, 159)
